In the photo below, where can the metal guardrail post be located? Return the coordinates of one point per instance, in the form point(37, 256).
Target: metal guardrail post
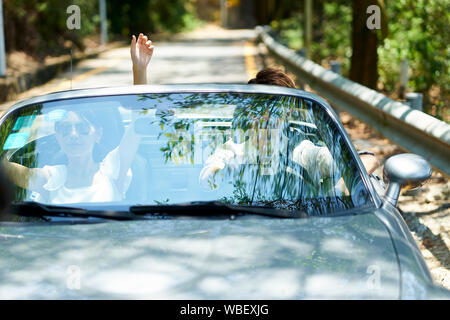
point(302, 52)
point(414, 100)
point(335, 67)
point(223, 13)
point(403, 77)
point(2, 44)
point(103, 22)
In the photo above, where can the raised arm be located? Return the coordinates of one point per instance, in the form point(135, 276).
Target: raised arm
point(141, 53)
point(317, 161)
point(24, 177)
point(127, 150)
point(215, 162)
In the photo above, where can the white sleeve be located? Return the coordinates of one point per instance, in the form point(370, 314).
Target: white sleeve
point(220, 158)
point(318, 161)
point(57, 177)
point(304, 154)
point(110, 167)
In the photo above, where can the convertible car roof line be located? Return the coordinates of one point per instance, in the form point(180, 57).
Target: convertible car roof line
point(200, 88)
point(168, 88)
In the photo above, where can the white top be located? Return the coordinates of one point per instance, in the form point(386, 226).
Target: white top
point(317, 161)
point(104, 183)
point(229, 154)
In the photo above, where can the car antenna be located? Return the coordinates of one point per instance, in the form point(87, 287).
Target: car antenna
point(71, 67)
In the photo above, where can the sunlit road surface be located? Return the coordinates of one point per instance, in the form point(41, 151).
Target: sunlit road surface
point(208, 55)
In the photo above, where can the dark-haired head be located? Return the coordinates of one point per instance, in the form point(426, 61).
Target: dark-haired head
point(272, 76)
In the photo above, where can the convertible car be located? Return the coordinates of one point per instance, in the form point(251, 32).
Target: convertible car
point(200, 192)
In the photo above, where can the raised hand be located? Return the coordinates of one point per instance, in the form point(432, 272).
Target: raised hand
point(141, 53)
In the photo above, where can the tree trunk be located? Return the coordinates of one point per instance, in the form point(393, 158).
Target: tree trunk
point(318, 32)
point(364, 61)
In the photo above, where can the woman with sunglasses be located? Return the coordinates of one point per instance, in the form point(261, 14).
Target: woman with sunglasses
point(87, 173)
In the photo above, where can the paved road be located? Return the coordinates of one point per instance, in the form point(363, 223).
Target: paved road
point(209, 55)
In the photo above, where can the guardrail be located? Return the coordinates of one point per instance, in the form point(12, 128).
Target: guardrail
point(413, 130)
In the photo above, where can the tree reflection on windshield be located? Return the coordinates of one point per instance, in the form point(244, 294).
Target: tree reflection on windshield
point(253, 149)
point(263, 136)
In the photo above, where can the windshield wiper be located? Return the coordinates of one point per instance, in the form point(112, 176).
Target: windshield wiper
point(211, 208)
point(138, 212)
point(35, 209)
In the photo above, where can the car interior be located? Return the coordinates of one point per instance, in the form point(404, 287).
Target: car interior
point(165, 171)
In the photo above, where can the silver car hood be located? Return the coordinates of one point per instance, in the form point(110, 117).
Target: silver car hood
point(248, 258)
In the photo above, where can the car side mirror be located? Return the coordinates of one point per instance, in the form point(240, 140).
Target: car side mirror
point(405, 170)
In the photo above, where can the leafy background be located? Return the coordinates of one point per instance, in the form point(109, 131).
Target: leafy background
point(418, 30)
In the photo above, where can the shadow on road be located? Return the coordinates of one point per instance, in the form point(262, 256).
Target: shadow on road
point(434, 243)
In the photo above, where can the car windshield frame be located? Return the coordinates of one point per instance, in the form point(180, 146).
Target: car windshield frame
point(207, 88)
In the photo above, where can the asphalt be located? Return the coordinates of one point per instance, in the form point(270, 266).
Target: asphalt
point(208, 55)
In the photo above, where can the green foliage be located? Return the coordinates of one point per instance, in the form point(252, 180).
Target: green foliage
point(240, 196)
point(335, 42)
point(418, 30)
point(149, 16)
point(290, 30)
point(336, 29)
point(39, 28)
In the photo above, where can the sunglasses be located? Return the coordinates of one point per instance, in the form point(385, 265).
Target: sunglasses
point(65, 129)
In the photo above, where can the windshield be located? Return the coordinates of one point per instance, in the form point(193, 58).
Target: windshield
point(245, 149)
